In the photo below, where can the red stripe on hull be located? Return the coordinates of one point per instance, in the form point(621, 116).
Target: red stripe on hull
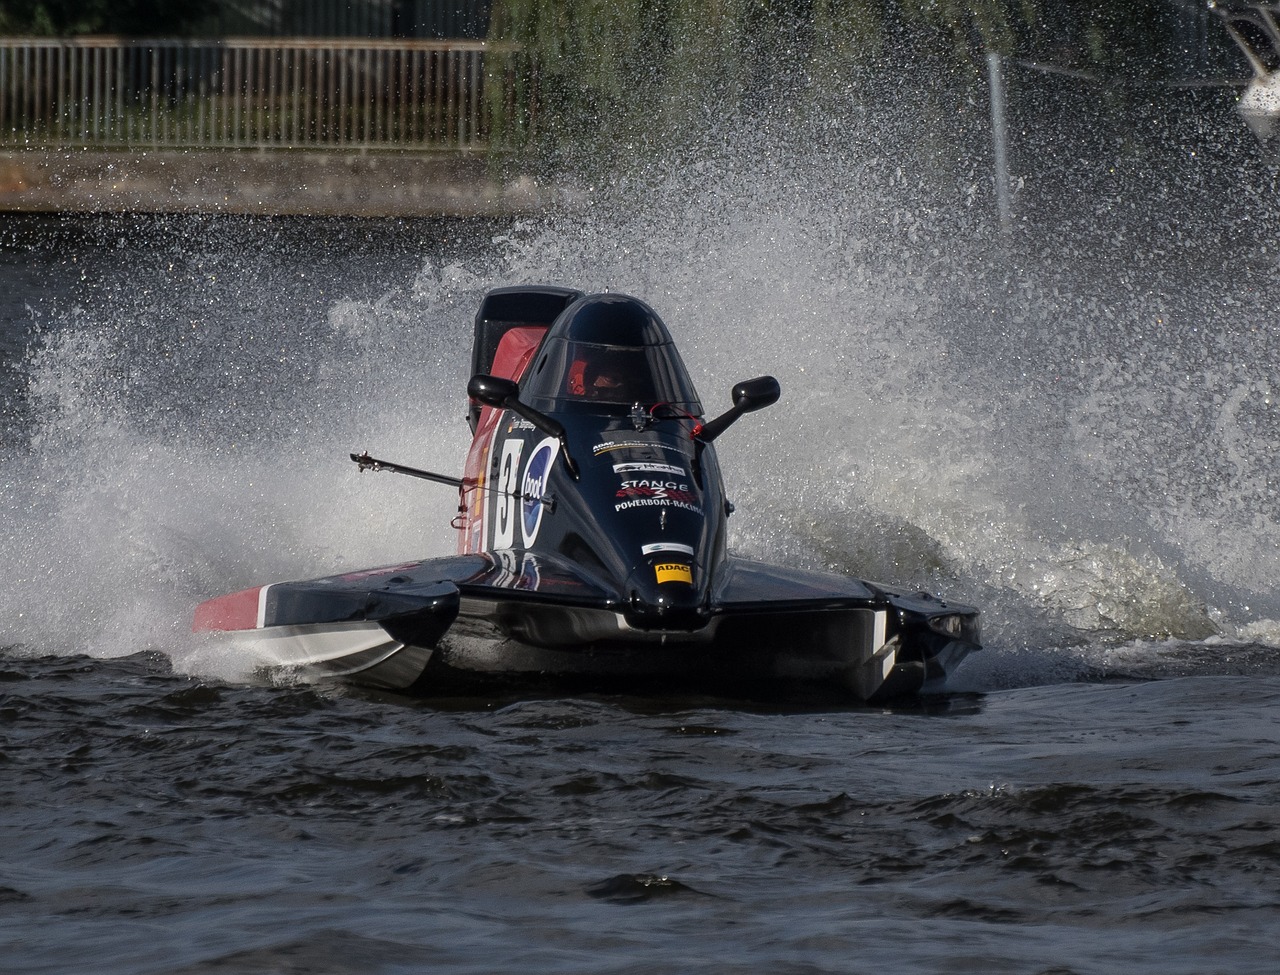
point(235, 611)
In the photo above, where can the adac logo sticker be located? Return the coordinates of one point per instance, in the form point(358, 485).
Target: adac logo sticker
point(673, 572)
point(641, 445)
point(533, 486)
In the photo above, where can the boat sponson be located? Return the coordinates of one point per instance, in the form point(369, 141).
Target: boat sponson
point(414, 614)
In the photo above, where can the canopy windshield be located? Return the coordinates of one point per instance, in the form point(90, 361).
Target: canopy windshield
point(607, 353)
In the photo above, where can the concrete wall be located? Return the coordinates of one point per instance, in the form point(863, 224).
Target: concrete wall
point(257, 182)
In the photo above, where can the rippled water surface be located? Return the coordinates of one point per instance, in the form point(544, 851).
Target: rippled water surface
point(159, 823)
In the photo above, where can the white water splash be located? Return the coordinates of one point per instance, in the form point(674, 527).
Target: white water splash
point(1050, 446)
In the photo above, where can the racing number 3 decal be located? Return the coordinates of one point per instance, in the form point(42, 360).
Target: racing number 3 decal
point(518, 497)
point(506, 496)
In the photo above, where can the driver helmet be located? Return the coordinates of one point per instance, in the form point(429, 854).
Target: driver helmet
point(605, 377)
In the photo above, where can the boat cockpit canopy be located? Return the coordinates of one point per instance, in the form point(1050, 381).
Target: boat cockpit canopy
point(604, 354)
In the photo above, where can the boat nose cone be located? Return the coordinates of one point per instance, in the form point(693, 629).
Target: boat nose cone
point(662, 596)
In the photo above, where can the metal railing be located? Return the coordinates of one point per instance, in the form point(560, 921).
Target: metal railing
point(244, 93)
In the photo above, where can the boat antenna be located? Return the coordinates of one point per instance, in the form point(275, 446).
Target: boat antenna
point(367, 463)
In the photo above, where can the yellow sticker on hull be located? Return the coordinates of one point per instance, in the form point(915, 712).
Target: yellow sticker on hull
point(674, 572)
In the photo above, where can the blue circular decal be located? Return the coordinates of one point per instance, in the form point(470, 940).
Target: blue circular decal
point(533, 486)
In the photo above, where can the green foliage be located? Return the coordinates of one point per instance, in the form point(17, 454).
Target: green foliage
point(64, 18)
point(987, 24)
point(1113, 39)
point(647, 69)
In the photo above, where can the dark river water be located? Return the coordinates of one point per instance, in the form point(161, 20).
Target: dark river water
point(1084, 449)
point(156, 822)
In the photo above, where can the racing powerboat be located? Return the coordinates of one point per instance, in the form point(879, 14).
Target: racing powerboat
point(592, 544)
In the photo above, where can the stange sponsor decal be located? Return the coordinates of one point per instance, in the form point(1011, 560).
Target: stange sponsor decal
point(645, 488)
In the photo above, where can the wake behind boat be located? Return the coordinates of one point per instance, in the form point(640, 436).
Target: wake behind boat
point(592, 544)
